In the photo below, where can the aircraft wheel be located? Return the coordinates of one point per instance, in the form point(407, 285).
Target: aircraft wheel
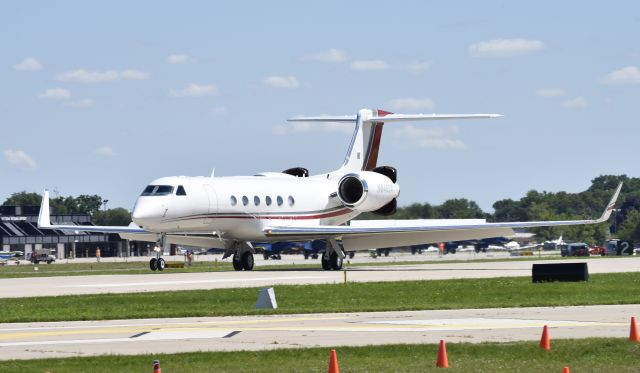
point(153, 265)
point(326, 264)
point(247, 261)
point(161, 264)
point(237, 262)
point(336, 261)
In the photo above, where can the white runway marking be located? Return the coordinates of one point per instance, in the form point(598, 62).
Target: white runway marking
point(186, 282)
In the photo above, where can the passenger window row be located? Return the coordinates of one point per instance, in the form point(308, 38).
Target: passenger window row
point(267, 200)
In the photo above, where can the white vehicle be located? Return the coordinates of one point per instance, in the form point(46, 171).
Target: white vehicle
point(232, 212)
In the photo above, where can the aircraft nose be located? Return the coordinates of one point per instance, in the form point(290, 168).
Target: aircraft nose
point(143, 212)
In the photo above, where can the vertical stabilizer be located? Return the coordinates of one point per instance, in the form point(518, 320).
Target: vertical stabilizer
point(44, 218)
point(365, 143)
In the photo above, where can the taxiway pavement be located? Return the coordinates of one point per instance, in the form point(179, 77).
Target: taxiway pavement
point(166, 281)
point(87, 338)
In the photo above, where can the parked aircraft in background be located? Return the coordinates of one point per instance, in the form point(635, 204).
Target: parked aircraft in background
point(232, 212)
point(10, 254)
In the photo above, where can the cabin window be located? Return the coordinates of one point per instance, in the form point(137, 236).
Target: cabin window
point(234, 201)
point(267, 200)
point(245, 200)
point(157, 190)
point(291, 201)
point(279, 201)
point(180, 191)
point(256, 200)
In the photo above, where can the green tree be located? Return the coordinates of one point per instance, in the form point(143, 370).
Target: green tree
point(630, 229)
point(117, 216)
point(23, 198)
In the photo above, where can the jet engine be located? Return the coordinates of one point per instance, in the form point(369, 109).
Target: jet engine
point(367, 190)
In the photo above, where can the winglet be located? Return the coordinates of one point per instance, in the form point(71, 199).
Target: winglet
point(44, 219)
point(607, 212)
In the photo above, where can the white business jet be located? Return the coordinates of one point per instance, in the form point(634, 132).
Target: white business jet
point(232, 212)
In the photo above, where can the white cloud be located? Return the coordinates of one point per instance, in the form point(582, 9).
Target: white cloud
point(419, 66)
point(134, 75)
point(550, 92)
point(330, 55)
point(56, 94)
point(176, 59)
point(576, 103)
point(505, 47)
point(85, 76)
point(287, 82)
point(304, 127)
point(84, 102)
point(410, 104)
point(629, 74)
point(367, 65)
point(195, 90)
point(106, 151)
point(20, 159)
point(430, 138)
point(28, 64)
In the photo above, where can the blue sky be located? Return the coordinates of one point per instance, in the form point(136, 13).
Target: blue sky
point(101, 98)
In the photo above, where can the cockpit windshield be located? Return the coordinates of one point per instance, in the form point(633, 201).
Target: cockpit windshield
point(157, 190)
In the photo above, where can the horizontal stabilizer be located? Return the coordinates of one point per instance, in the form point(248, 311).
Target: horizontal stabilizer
point(328, 118)
point(412, 117)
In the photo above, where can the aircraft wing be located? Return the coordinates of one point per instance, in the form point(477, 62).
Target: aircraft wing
point(377, 235)
point(44, 221)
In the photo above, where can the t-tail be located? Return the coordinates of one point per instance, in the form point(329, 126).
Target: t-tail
point(365, 143)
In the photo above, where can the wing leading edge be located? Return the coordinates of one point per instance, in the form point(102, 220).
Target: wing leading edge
point(376, 236)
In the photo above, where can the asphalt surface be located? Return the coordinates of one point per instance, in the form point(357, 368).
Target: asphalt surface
point(166, 281)
point(87, 338)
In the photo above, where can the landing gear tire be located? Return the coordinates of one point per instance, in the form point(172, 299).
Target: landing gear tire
point(153, 264)
point(237, 262)
point(247, 261)
point(335, 261)
point(161, 264)
point(326, 265)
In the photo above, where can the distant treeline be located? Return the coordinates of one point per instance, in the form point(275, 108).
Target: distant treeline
point(83, 204)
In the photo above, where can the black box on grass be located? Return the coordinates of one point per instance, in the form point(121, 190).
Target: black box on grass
point(560, 272)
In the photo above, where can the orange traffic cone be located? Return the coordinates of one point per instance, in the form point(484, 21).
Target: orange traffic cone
point(544, 341)
point(565, 370)
point(156, 366)
point(633, 332)
point(443, 360)
point(333, 362)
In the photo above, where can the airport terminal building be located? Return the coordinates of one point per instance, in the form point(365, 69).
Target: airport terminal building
point(19, 232)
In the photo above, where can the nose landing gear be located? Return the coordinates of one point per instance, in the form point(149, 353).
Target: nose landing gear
point(158, 262)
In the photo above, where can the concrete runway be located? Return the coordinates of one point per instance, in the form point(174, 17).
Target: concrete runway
point(52, 286)
point(86, 338)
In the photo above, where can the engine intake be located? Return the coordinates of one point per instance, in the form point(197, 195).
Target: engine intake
point(366, 191)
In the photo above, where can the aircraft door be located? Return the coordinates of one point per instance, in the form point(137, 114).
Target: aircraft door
point(213, 204)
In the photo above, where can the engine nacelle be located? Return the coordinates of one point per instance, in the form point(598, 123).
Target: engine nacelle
point(366, 191)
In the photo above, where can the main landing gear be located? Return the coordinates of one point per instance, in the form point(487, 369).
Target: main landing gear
point(242, 255)
point(333, 256)
point(158, 262)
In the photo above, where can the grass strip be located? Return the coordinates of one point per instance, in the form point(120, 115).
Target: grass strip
point(581, 355)
point(615, 288)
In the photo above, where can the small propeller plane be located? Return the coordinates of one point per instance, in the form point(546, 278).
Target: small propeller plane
point(232, 212)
